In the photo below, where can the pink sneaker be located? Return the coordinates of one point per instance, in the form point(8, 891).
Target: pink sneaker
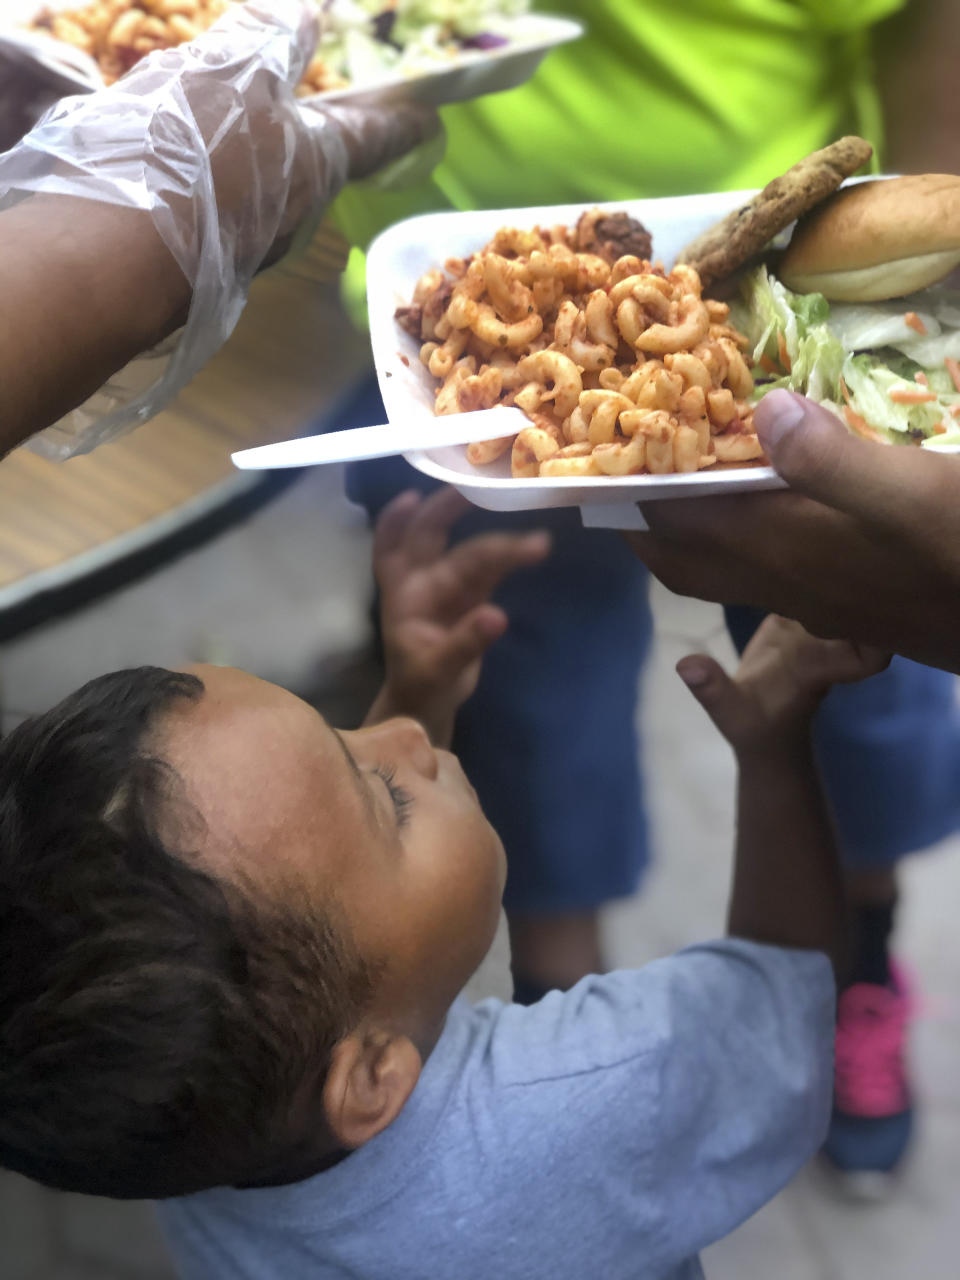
point(873, 1112)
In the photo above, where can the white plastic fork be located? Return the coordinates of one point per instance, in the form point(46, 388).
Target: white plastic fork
point(360, 443)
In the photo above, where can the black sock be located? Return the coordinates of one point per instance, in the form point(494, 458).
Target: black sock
point(872, 927)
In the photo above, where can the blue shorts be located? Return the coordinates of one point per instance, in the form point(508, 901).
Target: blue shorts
point(549, 739)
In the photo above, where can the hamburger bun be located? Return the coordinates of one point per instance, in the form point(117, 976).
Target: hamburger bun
point(877, 240)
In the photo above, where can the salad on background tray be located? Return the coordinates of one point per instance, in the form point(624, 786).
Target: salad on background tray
point(372, 40)
point(365, 43)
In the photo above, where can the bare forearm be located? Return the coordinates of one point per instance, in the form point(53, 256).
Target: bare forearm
point(438, 721)
point(917, 55)
point(787, 887)
point(84, 287)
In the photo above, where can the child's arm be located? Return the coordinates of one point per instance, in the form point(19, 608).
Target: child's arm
point(787, 886)
point(435, 609)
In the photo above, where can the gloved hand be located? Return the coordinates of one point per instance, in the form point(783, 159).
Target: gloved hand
point(211, 141)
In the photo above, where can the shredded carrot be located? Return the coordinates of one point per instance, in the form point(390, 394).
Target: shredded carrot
point(955, 411)
point(940, 429)
point(861, 426)
point(954, 371)
point(913, 321)
point(784, 353)
point(903, 396)
point(922, 379)
point(844, 392)
point(767, 365)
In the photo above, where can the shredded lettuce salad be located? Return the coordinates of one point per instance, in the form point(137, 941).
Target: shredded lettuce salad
point(860, 359)
point(371, 40)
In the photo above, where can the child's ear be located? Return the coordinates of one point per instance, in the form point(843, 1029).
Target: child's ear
point(372, 1074)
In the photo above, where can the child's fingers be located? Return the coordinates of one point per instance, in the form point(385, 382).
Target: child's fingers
point(479, 565)
point(829, 662)
point(393, 522)
point(469, 640)
point(429, 530)
point(814, 663)
point(715, 691)
point(776, 633)
point(872, 661)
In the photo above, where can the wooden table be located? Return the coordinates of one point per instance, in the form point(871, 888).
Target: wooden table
point(292, 355)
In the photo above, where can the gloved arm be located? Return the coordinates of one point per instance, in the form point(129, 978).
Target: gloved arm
point(152, 204)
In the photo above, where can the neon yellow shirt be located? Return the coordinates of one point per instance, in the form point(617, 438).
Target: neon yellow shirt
point(661, 97)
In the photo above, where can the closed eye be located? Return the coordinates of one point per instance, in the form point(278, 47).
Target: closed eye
point(401, 798)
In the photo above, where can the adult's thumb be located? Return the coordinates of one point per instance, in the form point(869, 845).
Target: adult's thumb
point(884, 486)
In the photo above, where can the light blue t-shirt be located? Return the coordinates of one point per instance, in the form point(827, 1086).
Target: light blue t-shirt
point(613, 1131)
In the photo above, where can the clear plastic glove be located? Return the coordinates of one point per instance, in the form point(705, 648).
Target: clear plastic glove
point(210, 140)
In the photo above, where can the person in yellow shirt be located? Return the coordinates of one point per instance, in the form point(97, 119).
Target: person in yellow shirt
point(664, 98)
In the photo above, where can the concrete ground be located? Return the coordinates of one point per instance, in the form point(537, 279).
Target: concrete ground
point(286, 596)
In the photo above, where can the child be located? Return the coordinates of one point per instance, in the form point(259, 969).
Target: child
point(232, 938)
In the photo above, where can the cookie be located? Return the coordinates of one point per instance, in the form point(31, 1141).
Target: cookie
point(721, 250)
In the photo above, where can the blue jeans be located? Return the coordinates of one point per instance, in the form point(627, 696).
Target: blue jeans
point(549, 739)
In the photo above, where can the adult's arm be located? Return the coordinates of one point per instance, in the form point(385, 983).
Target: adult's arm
point(918, 51)
point(866, 546)
point(84, 288)
point(129, 212)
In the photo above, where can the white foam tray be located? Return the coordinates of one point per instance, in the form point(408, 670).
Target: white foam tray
point(471, 74)
point(401, 255)
point(69, 69)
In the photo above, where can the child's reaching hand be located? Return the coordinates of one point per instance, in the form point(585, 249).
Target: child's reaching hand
point(787, 885)
point(783, 675)
point(435, 609)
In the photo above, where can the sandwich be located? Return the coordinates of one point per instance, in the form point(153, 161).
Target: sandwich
point(877, 240)
point(855, 313)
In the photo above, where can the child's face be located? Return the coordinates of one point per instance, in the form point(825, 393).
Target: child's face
point(312, 814)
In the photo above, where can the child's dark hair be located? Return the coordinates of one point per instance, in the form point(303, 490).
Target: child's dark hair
point(158, 1026)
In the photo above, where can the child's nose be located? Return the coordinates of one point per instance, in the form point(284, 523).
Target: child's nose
point(407, 741)
point(414, 744)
